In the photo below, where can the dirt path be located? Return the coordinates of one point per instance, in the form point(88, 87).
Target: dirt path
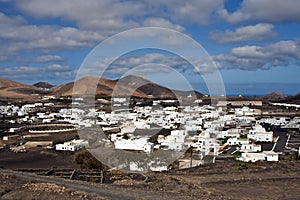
point(223, 180)
point(104, 190)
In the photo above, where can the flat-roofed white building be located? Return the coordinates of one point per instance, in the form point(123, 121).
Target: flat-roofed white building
point(72, 145)
point(261, 137)
point(135, 144)
point(193, 125)
point(271, 155)
point(237, 141)
point(175, 141)
point(263, 156)
point(252, 157)
point(277, 121)
point(258, 133)
point(250, 148)
point(206, 143)
point(231, 133)
point(240, 103)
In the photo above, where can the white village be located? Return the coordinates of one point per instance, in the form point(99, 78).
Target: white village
point(240, 129)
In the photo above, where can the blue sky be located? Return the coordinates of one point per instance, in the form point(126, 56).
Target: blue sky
point(255, 44)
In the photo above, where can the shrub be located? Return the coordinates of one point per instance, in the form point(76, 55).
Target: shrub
point(244, 165)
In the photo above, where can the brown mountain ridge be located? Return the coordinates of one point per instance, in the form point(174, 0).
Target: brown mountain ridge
point(15, 90)
point(274, 96)
point(126, 86)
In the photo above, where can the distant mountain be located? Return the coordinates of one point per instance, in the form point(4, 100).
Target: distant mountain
point(274, 96)
point(14, 90)
point(154, 90)
point(280, 98)
point(293, 99)
point(6, 84)
point(126, 86)
point(85, 86)
point(129, 85)
point(44, 85)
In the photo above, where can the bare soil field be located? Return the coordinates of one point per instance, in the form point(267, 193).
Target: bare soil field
point(226, 179)
point(278, 180)
point(37, 158)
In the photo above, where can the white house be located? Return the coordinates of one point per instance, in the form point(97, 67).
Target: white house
point(206, 144)
point(251, 157)
point(263, 156)
point(246, 111)
point(28, 108)
point(231, 133)
point(135, 144)
point(237, 141)
point(261, 137)
point(175, 141)
point(193, 125)
point(258, 133)
point(250, 148)
point(72, 145)
point(271, 155)
point(275, 120)
point(119, 99)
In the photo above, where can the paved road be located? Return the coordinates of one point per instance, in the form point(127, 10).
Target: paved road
point(103, 190)
point(280, 145)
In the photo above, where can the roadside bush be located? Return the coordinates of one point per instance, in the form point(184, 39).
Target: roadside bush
point(244, 165)
point(293, 156)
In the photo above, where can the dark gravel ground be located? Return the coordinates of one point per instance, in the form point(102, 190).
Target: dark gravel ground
point(227, 179)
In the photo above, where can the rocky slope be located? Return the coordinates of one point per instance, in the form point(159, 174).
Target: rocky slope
point(14, 90)
point(126, 86)
point(274, 96)
point(43, 85)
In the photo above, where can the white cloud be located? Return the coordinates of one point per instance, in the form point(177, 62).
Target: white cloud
point(256, 32)
point(266, 10)
point(235, 17)
point(114, 15)
point(56, 67)
point(93, 21)
point(49, 58)
point(17, 35)
point(162, 36)
point(37, 72)
point(194, 11)
point(21, 70)
point(102, 15)
point(283, 53)
point(150, 63)
point(161, 22)
point(65, 75)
